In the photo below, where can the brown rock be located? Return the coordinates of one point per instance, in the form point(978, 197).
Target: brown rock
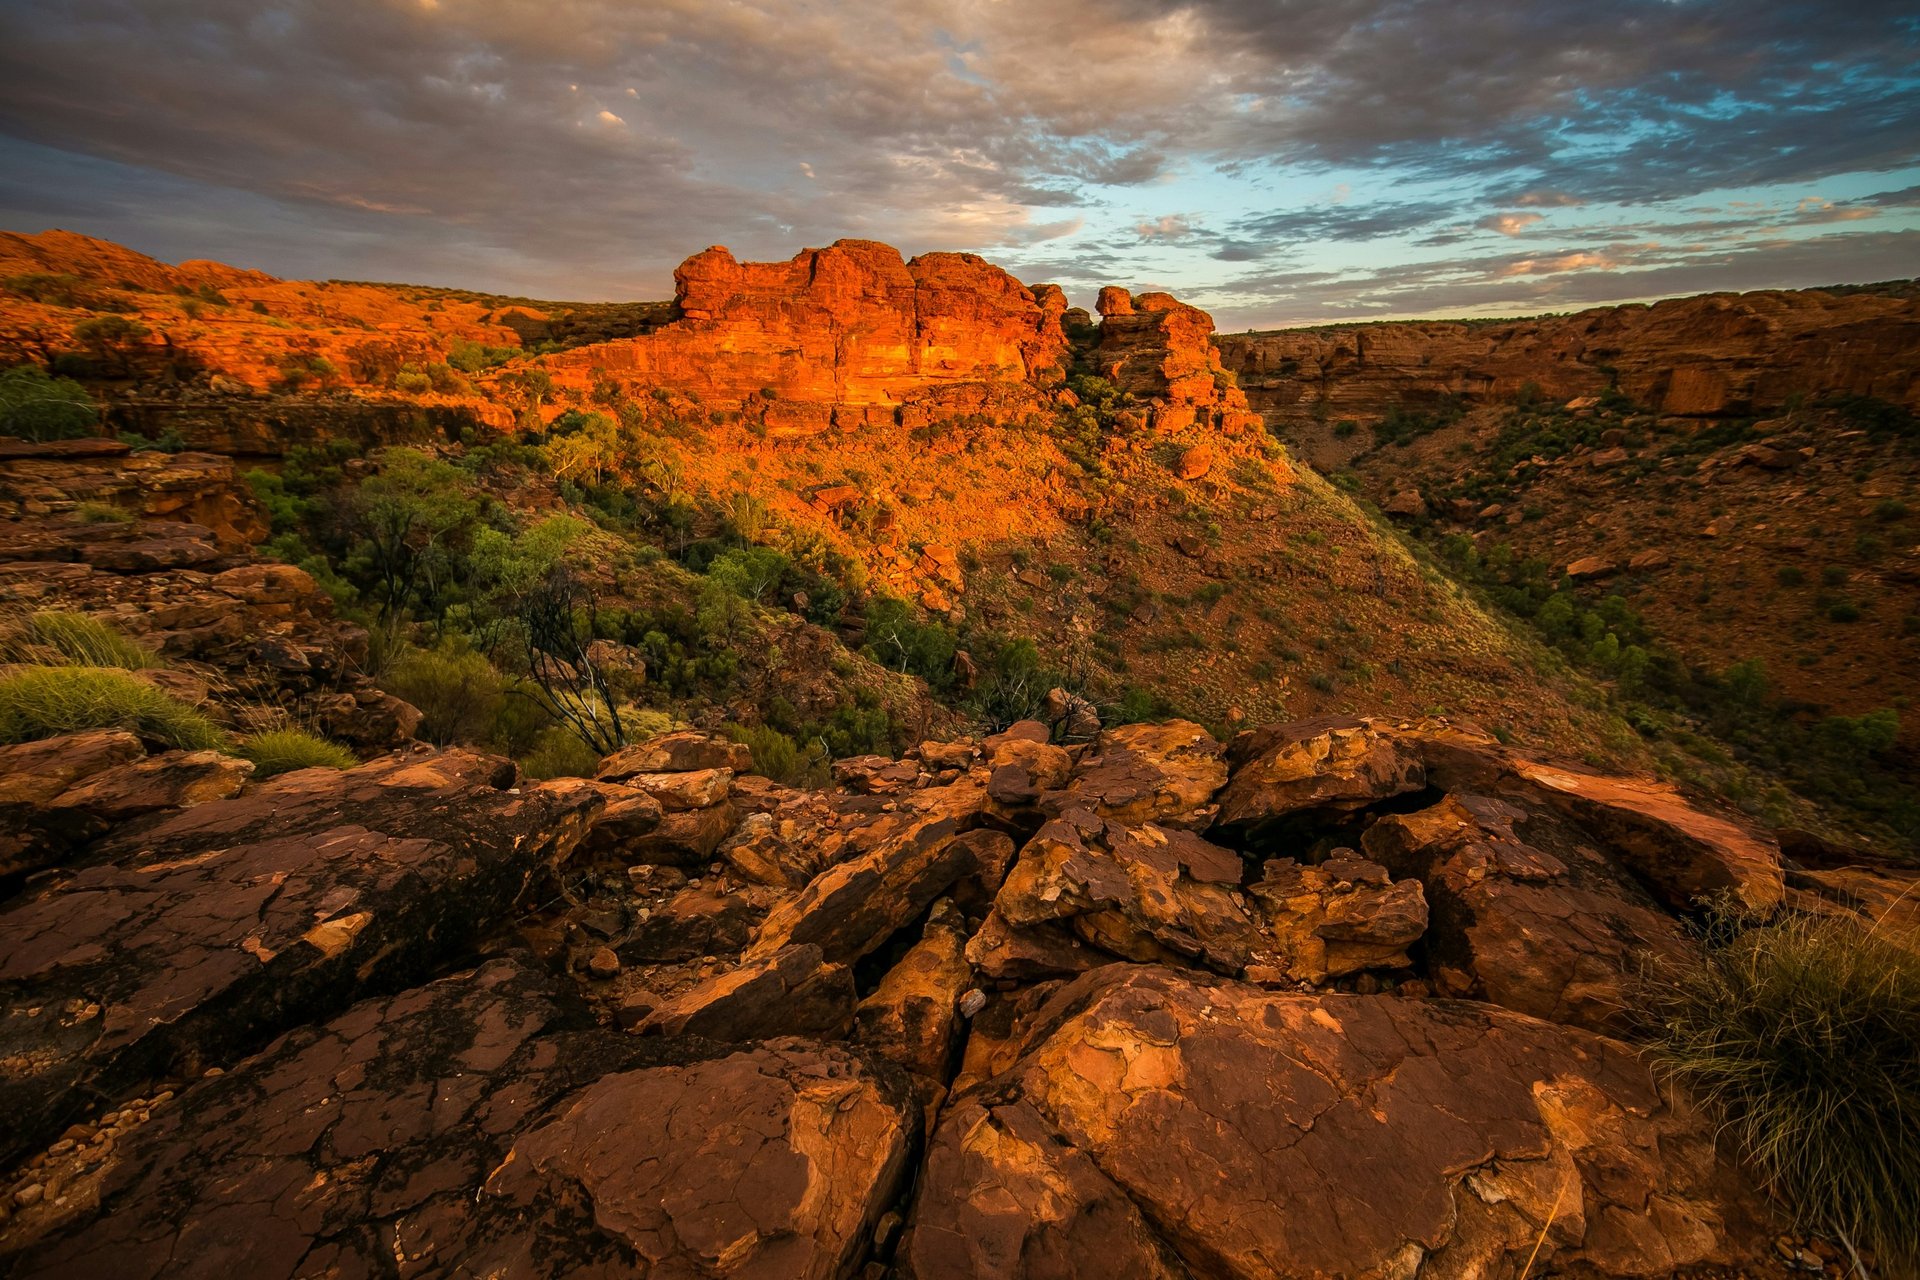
point(1592, 567)
point(628, 815)
point(678, 792)
point(875, 775)
point(792, 992)
point(1545, 924)
point(1340, 917)
point(499, 1141)
point(1682, 851)
point(1240, 1124)
point(1407, 502)
point(1651, 558)
point(848, 325)
point(170, 780)
point(913, 1017)
point(34, 833)
point(1145, 893)
point(682, 751)
point(999, 951)
point(1334, 764)
point(684, 839)
point(1194, 462)
point(699, 920)
point(854, 906)
point(1141, 773)
point(202, 934)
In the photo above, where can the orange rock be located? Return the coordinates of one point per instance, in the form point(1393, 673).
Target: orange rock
point(1708, 356)
point(852, 324)
point(1195, 462)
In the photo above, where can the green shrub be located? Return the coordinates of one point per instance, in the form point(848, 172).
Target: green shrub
point(778, 756)
point(459, 693)
point(88, 642)
point(101, 513)
point(284, 750)
point(559, 753)
point(40, 702)
point(1804, 1037)
point(36, 407)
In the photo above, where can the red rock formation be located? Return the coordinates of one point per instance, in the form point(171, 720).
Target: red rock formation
point(1708, 356)
point(1156, 346)
point(849, 325)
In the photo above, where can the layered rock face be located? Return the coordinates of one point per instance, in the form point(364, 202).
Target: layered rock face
point(1711, 356)
point(851, 326)
point(1159, 348)
point(1327, 1001)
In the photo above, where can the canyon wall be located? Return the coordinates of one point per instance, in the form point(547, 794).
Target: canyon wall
point(1717, 355)
point(851, 325)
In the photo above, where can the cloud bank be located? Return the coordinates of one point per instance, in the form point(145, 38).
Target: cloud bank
point(1276, 159)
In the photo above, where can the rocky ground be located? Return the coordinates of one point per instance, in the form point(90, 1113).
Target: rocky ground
point(1335, 996)
point(1149, 1005)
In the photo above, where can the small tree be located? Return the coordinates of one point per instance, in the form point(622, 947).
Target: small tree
point(110, 337)
point(559, 616)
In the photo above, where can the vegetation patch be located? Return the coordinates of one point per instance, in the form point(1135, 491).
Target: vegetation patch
point(42, 702)
point(283, 750)
point(1804, 1036)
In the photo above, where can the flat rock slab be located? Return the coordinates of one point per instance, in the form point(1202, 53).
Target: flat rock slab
point(1527, 912)
point(480, 1126)
point(1154, 1125)
point(211, 929)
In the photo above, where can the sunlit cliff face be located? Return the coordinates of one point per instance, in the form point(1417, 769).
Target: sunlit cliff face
point(1276, 162)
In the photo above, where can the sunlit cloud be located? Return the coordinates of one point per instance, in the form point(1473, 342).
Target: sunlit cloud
point(1509, 224)
point(1363, 143)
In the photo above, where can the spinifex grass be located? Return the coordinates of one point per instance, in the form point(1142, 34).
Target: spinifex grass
point(39, 702)
point(1804, 1038)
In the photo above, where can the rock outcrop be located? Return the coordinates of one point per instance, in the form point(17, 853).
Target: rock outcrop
point(1716, 355)
point(1159, 348)
point(481, 1126)
point(1154, 1125)
point(199, 935)
point(848, 333)
point(1321, 1002)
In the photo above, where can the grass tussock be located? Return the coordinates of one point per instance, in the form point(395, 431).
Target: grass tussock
point(80, 640)
point(1803, 1036)
point(277, 751)
point(41, 702)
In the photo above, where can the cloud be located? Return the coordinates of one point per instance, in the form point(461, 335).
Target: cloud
point(1343, 221)
point(1479, 286)
point(471, 141)
point(1172, 226)
point(1509, 224)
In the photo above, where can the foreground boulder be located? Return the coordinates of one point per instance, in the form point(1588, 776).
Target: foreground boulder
point(1154, 1125)
point(1326, 767)
point(1527, 912)
point(212, 928)
point(479, 1126)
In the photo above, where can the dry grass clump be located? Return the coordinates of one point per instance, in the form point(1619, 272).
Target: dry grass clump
point(1803, 1036)
point(42, 702)
point(80, 640)
point(276, 751)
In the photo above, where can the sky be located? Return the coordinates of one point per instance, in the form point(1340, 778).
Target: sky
point(1277, 161)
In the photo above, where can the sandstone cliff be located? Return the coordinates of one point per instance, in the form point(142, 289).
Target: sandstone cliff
point(849, 325)
point(1709, 356)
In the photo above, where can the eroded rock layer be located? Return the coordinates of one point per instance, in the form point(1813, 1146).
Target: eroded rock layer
point(1709, 356)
